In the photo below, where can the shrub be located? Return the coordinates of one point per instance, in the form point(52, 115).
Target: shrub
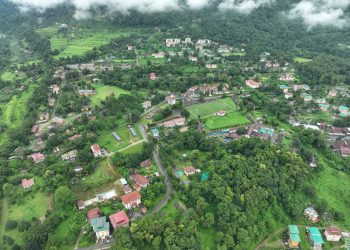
point(11, 224)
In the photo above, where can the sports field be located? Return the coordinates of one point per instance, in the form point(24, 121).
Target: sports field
point(230, 120)
point(102, 91)
point(208, 109)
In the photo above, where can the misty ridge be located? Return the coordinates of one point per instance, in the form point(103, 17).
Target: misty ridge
point(333, 13)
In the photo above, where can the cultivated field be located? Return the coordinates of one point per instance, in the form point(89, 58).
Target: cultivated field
point(206, 110)
point(82, 41)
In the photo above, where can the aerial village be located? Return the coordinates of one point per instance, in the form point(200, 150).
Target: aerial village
point(68, 128)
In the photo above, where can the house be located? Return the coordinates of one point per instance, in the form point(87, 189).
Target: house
point(153, 76)
point(132, 131)
point(70, 156)
point(192, 58)
point(335, 131)
point(37, 157)
point(146, 164)
point(96, 150)
point(140, 181)
point(260, 131)
point(100, 226)
point(123, 181)
point(27, 183)
point(127, 189)
point(35, 129)
point(288, 95)
point(312, 214)
point(221, 113)
point(44, 116)
point(146, 105)
point(93, 213)
point(116, 136)
point(172, 42)
point(294, 239)
point(253, 84)
point(332, 93)
point(131, 200)
point(158, 55)
point(171, 99)
point(187, 41)
point(55, 89)
point(119, 219)
point(297, 87)
point(57, 121)
point(78, 169)
point(306, 97)
point(175, 122)
point(130, 47)
point(332, 233)
point(287, 77)
point(74, 137)
point(315, 237)
point(189, 170)
point(80, 204)
point(155, 132)
point(87, 92)
point(344, 151)
point(344, 111)
point(323, 106)
point(211, 66)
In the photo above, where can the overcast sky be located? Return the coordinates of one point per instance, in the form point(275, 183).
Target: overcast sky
point(311, 12)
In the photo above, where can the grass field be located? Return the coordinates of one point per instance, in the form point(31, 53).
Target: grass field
point(230, 120)
point(106, 139)
point(48, 31)
point(85, 40)
point(302, 60)
point(316, 117)
point(8, 76)
point(14, 110)
point(208, 109)
point(34, 206)
point(134, 149)
point(102, 91)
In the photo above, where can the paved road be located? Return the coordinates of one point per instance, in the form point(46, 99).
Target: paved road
point(99, 246)
point(163, 172)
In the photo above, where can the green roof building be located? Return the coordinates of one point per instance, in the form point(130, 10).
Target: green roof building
point(315, 236)
point(100, 226)
point(205, 176)
point(294, 239)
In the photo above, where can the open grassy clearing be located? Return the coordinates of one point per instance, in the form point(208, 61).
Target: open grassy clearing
point(83, 41)
point(144, 60)
point(188, 69)
point(208, 109)
point(8, 76)
point(14, 110)
point(302, 60)
point(48, 31)
point(106, 139)
point(34, 206)
point(134, 149)
point(102, 91)
point(316, 117)
point(230, 120)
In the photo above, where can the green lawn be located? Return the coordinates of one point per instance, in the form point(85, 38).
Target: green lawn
point(144, 60)
point(134, 149)
point(34, 206)
point(106, 139)
point(316, 117)
point(230, 120)
point(210, 108)
point(85, 40)
point(207, 238)
point(102, 91)
point(13, 112)
point(302, 60)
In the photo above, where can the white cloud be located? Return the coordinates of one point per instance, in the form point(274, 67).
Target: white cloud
point(243, 6)
point(321, 12)
point(197, 4)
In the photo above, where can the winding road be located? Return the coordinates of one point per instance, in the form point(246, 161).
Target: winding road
point(163, 172)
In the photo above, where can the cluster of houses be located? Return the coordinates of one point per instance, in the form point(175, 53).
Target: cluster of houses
point(206, 89)
point(314, 236)
point(264, 132)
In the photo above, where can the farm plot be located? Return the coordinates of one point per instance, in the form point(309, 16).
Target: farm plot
point(83, 41)
point(230, 120)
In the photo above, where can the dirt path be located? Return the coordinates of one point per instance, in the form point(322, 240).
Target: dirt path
point(4, 214)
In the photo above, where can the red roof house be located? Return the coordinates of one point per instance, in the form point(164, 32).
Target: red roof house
point(74, 137)
point(189, 170)
point(96, 150)
point(153, 76)
point(93, 213)
point(37, 157)
point(27, 183)
point(333, 233)
point(140, 181)
point(146, 164)
point(119, 219)
point(253, 84)
point(131, 200)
